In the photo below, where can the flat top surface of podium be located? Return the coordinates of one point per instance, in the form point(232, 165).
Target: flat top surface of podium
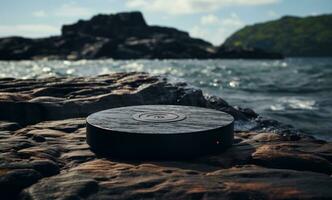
point(159, 119)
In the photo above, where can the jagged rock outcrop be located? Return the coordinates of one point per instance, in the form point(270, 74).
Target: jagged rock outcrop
point(44, 155)
point(118, 36)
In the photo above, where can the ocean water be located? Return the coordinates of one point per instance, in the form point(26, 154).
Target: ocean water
point(295, 91)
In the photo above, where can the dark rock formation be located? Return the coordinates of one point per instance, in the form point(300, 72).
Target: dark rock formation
point(44, 155)
point(246, 53)
point(35, 100)
point(122, 25)
point(118, 36)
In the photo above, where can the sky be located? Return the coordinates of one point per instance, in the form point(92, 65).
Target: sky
point(212, 20)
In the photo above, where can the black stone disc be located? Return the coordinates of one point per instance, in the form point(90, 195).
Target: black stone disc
point(159, 131)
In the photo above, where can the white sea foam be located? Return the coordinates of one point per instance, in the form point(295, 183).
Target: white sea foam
point(294, 103)
point(234, 83)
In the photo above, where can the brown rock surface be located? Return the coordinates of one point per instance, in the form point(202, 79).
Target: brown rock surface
point(43, 153)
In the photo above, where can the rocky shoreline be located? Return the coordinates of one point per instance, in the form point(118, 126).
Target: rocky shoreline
point(121, 36)
point(44, 155)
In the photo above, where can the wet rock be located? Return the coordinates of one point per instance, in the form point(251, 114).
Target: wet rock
point(282, 156)
point(67, 125)
point(238, 115)
point(192, 97)
point(238, 154)
point(46, 133)
point(267, 137)
point(80, 155)
point(41, 150)
point(216, 102)
point(9, 126)
point(46, 156)
point(248, 112)
point(125, 181)
point(38, 138)
point(6, 96)
point(117, 90)
point(13, 181)
point(45, 167)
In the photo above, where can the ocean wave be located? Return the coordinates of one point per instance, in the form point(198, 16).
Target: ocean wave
point(278, 89)
point(294, 103)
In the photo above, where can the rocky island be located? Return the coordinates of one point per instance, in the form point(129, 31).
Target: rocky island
point(291, 35)
point(120, 36)
point(44, 154)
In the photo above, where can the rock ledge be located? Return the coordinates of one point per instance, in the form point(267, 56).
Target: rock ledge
point(44, 155)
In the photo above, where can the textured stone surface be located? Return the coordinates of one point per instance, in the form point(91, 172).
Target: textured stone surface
point(44, 155)
point(103, 179)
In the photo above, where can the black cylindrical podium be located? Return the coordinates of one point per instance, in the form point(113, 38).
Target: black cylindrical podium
point(159, 131)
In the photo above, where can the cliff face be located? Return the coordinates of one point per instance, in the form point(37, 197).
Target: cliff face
point(109, 26)
point(291, 36)
point(119, 36)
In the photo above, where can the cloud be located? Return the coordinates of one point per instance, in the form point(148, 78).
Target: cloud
point(209, 19)
point(178, 7)
point(233, 21)
point(39, 13)
point(72, 10)
point(198, 31)
point(272, 14)
point(29, 30)
point(216, 36)
point(216, 29)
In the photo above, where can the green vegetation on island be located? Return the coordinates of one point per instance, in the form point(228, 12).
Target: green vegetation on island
point(291, 36)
